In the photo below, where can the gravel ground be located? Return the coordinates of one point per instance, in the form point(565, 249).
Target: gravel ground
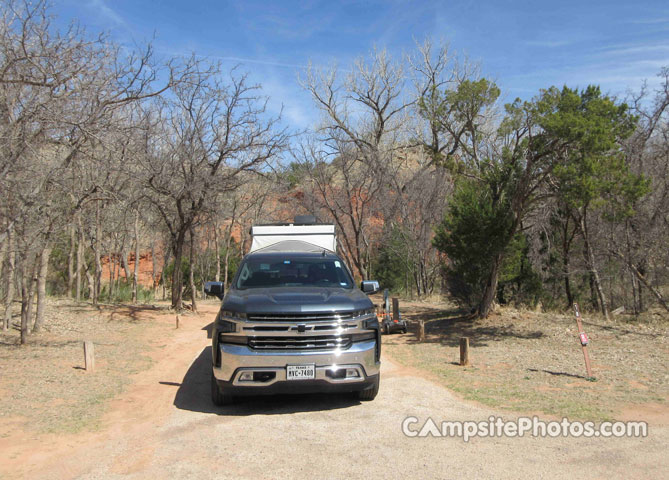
point(530, 361)
point(164, 426)
point(44, 382)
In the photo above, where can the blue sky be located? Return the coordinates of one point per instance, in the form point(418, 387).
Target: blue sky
point(522, 45)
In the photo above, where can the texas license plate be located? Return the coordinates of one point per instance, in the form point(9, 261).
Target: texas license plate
point(300, 372)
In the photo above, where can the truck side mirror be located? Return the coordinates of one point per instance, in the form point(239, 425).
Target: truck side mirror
point(214, 289)
point(369, 286)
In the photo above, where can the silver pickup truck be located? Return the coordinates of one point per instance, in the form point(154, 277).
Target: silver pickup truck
point(293, 321)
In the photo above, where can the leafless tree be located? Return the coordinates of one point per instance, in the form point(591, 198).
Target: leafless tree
point(352, 154)
point(210, 132)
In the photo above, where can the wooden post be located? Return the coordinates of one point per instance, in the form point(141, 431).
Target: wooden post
point(464, 351)
point(421, 330)
point(177, 321)
point(396, 309)
point(89, 356)
point(583, 338)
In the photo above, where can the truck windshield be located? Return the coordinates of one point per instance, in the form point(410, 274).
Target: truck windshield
point(293, 272)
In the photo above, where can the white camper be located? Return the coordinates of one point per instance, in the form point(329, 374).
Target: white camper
point(319, 235)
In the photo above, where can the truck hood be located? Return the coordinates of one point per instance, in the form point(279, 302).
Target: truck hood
point(295, 300)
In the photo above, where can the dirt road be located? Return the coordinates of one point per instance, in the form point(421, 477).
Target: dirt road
point(164, 426)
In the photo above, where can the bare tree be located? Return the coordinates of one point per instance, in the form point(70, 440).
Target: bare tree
point(353, 151)
point(640, 242)
point(211, 132)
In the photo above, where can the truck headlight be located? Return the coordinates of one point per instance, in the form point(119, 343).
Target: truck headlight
point(233, 315)
point(364, 313)
point(223, 326)
point(371, 323)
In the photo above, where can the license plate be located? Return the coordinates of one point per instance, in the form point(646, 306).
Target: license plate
point(300, 372)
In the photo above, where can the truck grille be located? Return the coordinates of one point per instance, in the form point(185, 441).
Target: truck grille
point(299, 317)
point(316, 342)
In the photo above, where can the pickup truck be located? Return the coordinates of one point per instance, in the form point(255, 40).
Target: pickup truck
point(293, 321)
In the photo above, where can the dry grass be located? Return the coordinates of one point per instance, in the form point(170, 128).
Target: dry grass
point(532, 362)
point(44, 382)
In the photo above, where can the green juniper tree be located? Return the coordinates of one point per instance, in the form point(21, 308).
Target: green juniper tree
point(548, 141)
point(595, 174)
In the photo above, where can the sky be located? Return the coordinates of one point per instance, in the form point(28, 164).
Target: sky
point(522, 45)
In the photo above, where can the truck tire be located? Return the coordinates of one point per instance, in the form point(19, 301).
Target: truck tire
point(371, 392)
point(217, 396)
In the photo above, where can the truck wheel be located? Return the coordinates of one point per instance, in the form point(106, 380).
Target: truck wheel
point(217, 396)
point(371, 392)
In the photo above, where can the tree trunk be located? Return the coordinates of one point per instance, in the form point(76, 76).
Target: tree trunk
point(31, 293)
point(80, 261)
point(11, 264)
point(191, 262)
point(24, 309)
point(154, 278)
point(177, 274)
point(27, 294)
point(594, 301)
point(636, 292)
point(228, 241)
point(593, 269)
point(406, 282)
point(126, 267)
point(636, 288)
point(70, 262)
point(111, 265)
point(485, 307)
point(566, 247)
point(567, 283)
point(98, 264)
point(135, 272)
point(91, 284)
point(3, 255)
point(217, 256)
point(166, 261)
point(642, 271)
point(41, 288)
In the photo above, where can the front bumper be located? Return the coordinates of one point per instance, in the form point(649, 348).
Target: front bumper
point(237, 359)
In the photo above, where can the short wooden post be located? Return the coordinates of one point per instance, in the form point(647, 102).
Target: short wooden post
point(421, 330)
point(464, 351)
point(177, 321)
point(89, 356)
point(396, 309)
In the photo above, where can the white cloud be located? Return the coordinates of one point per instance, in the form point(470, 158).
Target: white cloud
point(101, 7)
point(549, 43)
point(650, 21)
point(285, 93)
point(634, 49)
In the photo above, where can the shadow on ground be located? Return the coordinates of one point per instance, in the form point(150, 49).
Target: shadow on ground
point(620, 331)
point(209, 328)
point(557, 374)
point(447, 326)
point(194, 395)
point(123, 311)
